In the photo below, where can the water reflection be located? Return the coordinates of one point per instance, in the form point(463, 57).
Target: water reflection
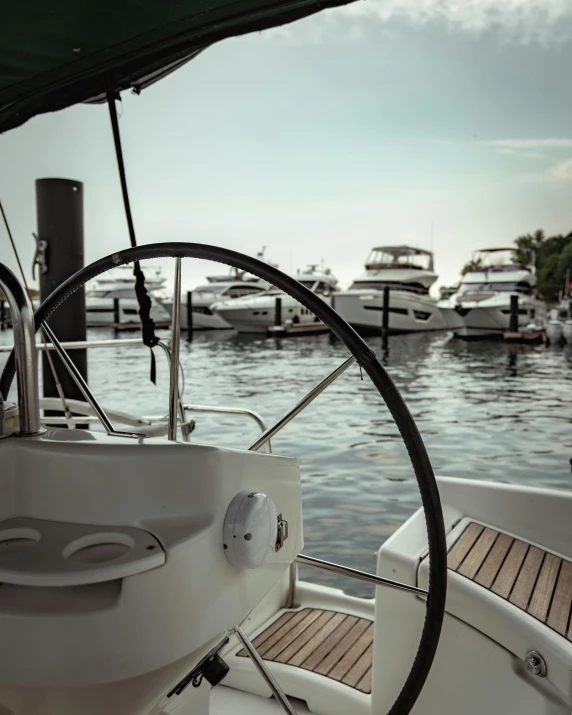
point(486, 410)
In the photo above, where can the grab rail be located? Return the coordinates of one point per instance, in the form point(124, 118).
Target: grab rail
point(25, 351)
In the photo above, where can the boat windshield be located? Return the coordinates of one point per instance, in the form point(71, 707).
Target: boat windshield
point(501, 259)
point(399, 257)
point(211, 288)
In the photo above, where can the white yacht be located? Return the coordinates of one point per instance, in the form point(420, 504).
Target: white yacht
point(408, 273)
point(481, 306)
point(256, 314)
point(236, 284)
point(111, 298)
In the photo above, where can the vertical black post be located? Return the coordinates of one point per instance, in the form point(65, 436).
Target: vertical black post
point(59, 204)
point(189, 315)
point(278, 312)
point(2, 314)
point(513, 324)
point(116, 313)
point(385, 315)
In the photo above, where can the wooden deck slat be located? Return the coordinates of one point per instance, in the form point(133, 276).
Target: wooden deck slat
point(326, 665)
point(365, 683)
point(352, 655)
point(495, 559)
point(267, 643)
point(327, 645)
point(542, 595)
point(463, 545)
point(307, 637)
point(476, 556)
point(559, 615)
point(358, 670)
point(270, 650)
point(522, 589)
point(509, 571)
point(534, 580)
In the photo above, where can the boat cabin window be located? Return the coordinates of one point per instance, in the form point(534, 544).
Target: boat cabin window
point(393, 285)
point(237, 291)
point(510, 286)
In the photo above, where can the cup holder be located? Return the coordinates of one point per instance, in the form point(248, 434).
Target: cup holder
point(14, 541)
point(98, 548)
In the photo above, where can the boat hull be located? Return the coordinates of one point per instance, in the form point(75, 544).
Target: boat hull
point(490, 318)
point(408, 312)
point(257, 316)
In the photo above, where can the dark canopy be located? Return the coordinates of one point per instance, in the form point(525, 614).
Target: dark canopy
point(54, 53)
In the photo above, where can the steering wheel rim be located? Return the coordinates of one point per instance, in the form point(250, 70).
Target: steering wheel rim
point(435, 604)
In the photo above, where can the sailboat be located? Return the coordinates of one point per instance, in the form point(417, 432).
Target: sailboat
point(150, 578)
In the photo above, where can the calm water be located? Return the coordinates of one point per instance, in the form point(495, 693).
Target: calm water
point(485, 410)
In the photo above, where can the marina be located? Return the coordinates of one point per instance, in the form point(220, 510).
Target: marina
point(243, 489)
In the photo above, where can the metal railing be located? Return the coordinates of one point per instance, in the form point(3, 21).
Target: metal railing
point(25, 351)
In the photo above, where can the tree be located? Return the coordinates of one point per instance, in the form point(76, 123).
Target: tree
point(470, 266)
point(528, 247)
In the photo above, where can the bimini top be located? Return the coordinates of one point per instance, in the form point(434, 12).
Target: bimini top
point(55, 54)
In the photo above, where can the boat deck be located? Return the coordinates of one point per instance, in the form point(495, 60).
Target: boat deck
point(328, 643)
point(534, 580)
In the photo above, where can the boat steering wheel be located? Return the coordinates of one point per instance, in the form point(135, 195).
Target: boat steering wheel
point(436, 594)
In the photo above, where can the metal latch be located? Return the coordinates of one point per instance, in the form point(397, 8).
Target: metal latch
point(282, 532)
point(40, 257)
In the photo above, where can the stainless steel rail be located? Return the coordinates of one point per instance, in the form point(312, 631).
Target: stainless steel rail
point(212, 409)
point(264, 671)
point(82, 344)
point(359, 575)
point(84, 387)
point(304, 402)
point(25, 351)
point(185, 427)
point(174, 401)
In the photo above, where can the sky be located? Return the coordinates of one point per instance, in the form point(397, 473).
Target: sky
point(443, 124)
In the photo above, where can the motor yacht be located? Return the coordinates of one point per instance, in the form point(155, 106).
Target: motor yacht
point(257, 313)
point(408, 274)
point(481, 307)
point(111, 299)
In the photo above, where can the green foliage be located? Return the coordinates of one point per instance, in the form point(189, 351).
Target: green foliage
point(552, 257)
point(470, 265)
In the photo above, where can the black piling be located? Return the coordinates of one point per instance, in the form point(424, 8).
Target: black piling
point(189, 315)
point(385, 317)
point(59, 204)
point(513, 324)
point(3, 317)
point(278, 312)
point(116, 313)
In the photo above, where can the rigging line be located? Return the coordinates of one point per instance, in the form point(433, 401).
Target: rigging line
point(58, 384)
point(121, 165)
point(147, 323)
point(14, 246)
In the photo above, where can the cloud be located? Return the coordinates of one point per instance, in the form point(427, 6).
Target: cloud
point(562, 171)
point(529, 148)
point(522, 154)
point(548, 143)
point(519, 21)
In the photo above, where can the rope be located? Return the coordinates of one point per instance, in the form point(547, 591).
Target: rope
point(147, 324)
